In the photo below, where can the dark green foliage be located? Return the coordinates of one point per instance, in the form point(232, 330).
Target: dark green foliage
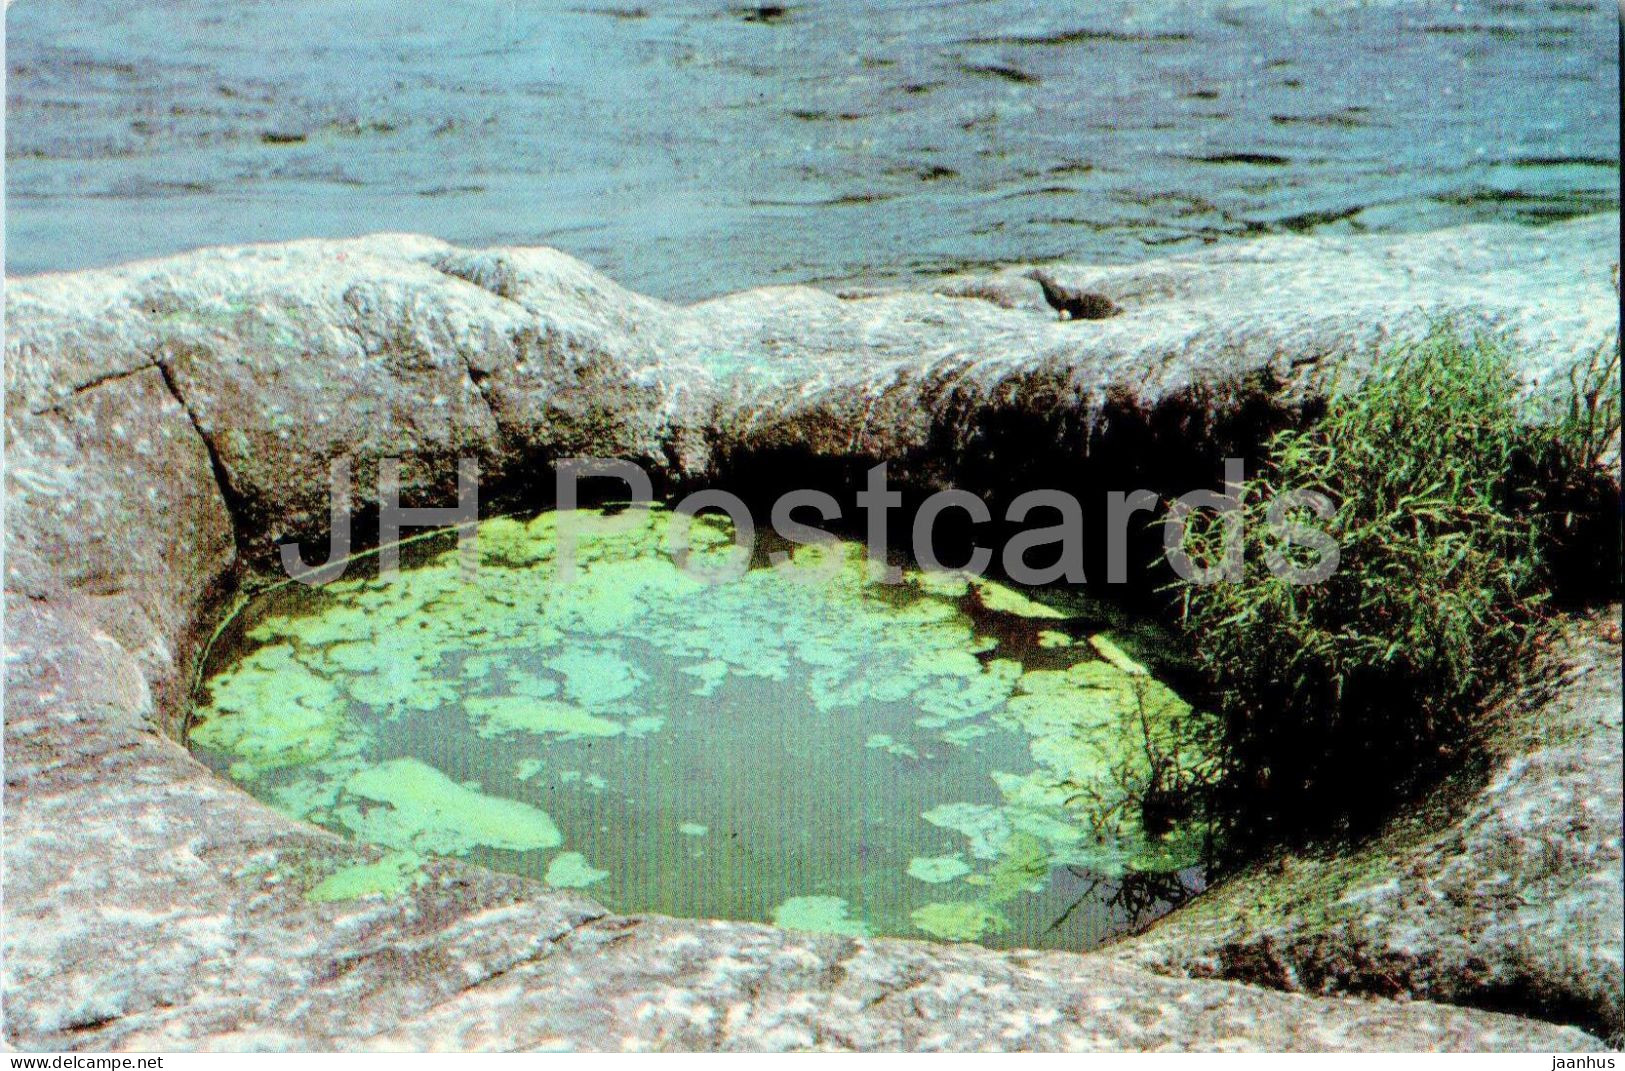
point(1570, 486)
point(1455, 513)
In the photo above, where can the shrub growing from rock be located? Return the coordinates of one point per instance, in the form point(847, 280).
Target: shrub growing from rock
point(1456, 511)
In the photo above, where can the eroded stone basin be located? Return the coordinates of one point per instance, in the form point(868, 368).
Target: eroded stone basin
point(947, 757)
point(170, 423)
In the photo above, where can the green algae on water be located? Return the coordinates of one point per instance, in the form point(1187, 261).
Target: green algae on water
point(504, 714)
point(884, 742)
point(1001, 598)
point(957, 756)
point(286, 715)
point(937, 869)
point(405, 803)
point(570, 870)
point(818, 914)
point(1107, 648)
point(390, 876)
point(959, 921)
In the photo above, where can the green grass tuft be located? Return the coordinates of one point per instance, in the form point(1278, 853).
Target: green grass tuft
point(1456, 515)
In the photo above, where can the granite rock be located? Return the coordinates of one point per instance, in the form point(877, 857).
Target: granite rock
point(170, 423)
point(1508, 889)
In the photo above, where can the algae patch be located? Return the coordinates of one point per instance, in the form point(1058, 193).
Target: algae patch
point(949, 757)
point(506, 714)
point(818, 914)
point(960, 921)
point(570, 870)
point(390, 876)
point(937, 869)
point(421, 808)
point(1003, 599)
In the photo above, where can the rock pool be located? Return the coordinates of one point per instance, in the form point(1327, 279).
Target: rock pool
point(948, 758)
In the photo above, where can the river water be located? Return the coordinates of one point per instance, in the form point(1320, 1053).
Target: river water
point(693, 148)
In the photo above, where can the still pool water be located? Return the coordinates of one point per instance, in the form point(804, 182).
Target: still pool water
point(947, 758)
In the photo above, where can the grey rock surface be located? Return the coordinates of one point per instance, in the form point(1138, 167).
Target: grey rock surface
point(169, 423)
point(1509, 889)
point(111, 496)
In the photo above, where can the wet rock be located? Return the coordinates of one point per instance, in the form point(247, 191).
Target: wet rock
point(170, 422)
